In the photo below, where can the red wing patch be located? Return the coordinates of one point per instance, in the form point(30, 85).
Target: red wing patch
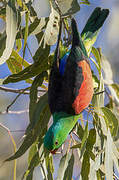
point(86, 90)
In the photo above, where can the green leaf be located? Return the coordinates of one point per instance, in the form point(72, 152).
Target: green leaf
point(98, 59)
point(111, 120)
point(41, 24)
point(115, 87)
point(50, 168)
point(15, 62)
point(91, 139)
point(84, 139)
point(41, 54)
point(108, 74)
point(13, 65)
point(26, 32)
point(33, 150)
point(2, 42)
point(11, 30)
point(19, 58)
point(34, 161)
point(108, 157)
point(34, 92)
point(3, 13)
point(67, 7)
point(69, 171)
point(85, 169)
point(80, 131)
point(85, 2)
point(62, 166)
point(18, 44)
point(96, 82)
point(37, 127)
point(27, 73)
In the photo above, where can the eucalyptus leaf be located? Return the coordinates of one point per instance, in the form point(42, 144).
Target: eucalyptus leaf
point(36, 128)
point(115, 88)
point(98, 58)
point(67, 7)
point(63, 165)
point(52, 28)
point(69, 171)
point(11, 30)
point(84, 139)
point(111, 120)
point(34, 92)
point(85, 169)
point(108, 157)
point(26, 32)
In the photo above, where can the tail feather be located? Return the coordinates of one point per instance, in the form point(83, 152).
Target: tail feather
point(77, 40)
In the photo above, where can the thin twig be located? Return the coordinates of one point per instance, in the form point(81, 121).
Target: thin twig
point(14, 90)
point(29, 50)
point(115, 176)
point(15, 99)
point(18, 90)
point(7, 109)
point(15, 112)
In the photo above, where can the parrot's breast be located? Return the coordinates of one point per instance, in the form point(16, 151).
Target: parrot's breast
point(85, 92)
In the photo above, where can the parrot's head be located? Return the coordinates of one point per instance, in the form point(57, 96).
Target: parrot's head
point(55, 137)
point(58, 132)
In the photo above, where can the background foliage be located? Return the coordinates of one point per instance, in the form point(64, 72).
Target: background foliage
point(96, 146)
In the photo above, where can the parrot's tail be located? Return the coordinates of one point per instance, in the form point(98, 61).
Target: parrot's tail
point(76, 39)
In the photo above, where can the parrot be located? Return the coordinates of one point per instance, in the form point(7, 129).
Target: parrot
point(70, 88)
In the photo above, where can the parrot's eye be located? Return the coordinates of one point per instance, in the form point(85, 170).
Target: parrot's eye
point(56, 142)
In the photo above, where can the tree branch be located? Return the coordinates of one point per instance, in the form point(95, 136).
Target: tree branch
point(21, 91)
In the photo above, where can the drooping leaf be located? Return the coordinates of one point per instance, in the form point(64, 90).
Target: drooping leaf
point(84, 139)
point(28, 72)
point(41, 23)
point(67, 7)
point(41, 54)
point(19, 58)
point(108, 74)
point(115, 87)
point(13, 65)
point(33, 160)
point(85, 2)
point(108, 157)
point(80, 131)
point(85, 166)
point(15, 62)
point(34, 92)
point(52, 29)
point(36, 128)
point(18, 44)
point(42, 8)
point(63, 165)
point(3, 13)
point(69, 171)
point(49, 165)
point(2, 42)
point(111, 120)
point(98, 59)
point(26, 32)
point(11, 30)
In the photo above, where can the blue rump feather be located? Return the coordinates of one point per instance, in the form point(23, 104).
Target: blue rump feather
point(63, 63)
